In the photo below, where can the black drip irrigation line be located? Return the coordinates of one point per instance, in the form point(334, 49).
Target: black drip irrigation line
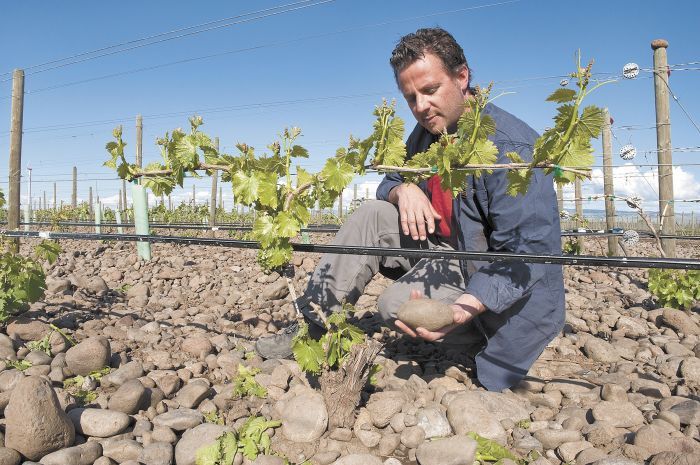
point(619, 262)
point(320, 228)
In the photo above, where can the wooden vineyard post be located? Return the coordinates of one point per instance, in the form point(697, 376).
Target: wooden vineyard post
point(139, 141)
point(55, 207)
point(340, 206)
point(90, 209)
point(140, 198)
point(26, 215)
point(16, 118)
point(608, 188)
point(124, 204)
point(667, 221)
point(560, 197)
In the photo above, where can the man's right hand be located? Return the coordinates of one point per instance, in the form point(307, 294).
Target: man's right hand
point(415, 210)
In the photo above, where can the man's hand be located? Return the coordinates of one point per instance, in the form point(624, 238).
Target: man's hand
point(465, 308)
point(415, 210)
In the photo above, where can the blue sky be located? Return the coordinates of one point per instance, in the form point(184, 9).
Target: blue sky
point(323, 68)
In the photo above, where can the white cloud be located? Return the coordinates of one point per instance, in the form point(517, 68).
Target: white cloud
point(630, 180)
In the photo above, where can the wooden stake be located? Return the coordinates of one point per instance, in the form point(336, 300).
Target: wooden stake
point(212, 200)
point(74, 195)
point(608, 189)
point(16, 119)
point(579, 209)
point(667, 219)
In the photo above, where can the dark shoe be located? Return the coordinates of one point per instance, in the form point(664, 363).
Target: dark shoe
point(280, 345)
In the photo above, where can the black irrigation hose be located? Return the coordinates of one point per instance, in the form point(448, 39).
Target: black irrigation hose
point(621, 262)
point(326, 228)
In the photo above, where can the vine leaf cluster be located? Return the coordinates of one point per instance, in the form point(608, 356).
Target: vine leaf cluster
point(282, 199)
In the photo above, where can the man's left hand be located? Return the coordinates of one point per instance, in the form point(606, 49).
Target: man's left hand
point(465, 308)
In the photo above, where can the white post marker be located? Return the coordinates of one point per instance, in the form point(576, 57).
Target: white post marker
point(140, 199)
point(98, 218)
point(26, 214)
point(118, 215)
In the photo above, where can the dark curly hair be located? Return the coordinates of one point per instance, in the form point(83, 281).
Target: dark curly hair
point(435, 40)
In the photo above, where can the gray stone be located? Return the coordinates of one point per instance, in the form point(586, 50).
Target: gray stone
point(690, 370)
point(465, 413)
point(688, 411)
point(96, 284)
point(199, 436)
point(163, 434)
point(425, 313)
point(368, 438)
point(27, 329)
point(456, 450)
point(98, 422)
point(124, 373)
point(55, 286)
point(268, 460)
point(138, 290)
point(131, 397)
point(412, 437)
point(617, 461)
point(358, 459)
point(92, 354)
point(36, 424)
point(553, 438)
point(121, 450)
point(9, 379)
point(37, 357)
point(620, 414)
point(192, 394)
point(277, 290)
point(157, 453)
point(569, 450)
point(434, 422)
point(304, 417)
point(197, 345)
point(601, 351)
point(680, 321)
point(9, 456)
point(179, 419)
point(634, 327)
point(84, 454)
point(384, 405)
point(675, 458)
point(653, 439)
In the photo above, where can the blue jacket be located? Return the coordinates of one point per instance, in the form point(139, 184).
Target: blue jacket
point(524, 301)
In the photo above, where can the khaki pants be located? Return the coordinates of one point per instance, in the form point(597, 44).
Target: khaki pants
point(340, 277)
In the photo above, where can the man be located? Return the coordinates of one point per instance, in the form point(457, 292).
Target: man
point(517, 308)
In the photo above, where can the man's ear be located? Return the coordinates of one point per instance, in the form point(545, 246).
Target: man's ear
point(463, 78)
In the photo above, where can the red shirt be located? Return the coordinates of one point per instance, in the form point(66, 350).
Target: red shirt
point(442, 203)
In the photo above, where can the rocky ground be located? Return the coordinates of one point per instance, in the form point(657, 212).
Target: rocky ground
point(618, 387)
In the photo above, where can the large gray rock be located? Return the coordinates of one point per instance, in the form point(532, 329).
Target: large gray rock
point(131, 397)
point(124, 373)
point(121, 450)
point(680, 321)
point(304, 417)
point(157, 453)
point(192, 394)
point(277, 290)
point(620, 414)
point(466, 414)
point(688, 411)
point(199, 436)
point(601, 351)
point(690, 370)
point(27, 329)
point(455, 450)
point(653, 439)
point(553, 438)
point(434, 422)
point(35, 423)
point(89, 355)
point(179, 419)
point(9, 456)
point(384, 405)
point(84, 454)
point(197, 345)
point(98, 422)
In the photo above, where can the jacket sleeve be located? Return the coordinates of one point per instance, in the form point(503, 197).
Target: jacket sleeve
point(526, 223)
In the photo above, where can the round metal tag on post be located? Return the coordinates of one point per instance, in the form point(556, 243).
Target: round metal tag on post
point(630, 70)
point(630, 237)
point(628, 152)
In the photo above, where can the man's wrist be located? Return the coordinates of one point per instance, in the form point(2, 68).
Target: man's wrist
point(468, 300)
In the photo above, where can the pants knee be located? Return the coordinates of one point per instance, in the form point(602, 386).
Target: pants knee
point(388, 303)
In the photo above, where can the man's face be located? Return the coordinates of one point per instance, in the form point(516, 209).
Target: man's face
point(435, 97)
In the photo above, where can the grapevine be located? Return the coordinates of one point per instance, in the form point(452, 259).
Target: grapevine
point(282, 199)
